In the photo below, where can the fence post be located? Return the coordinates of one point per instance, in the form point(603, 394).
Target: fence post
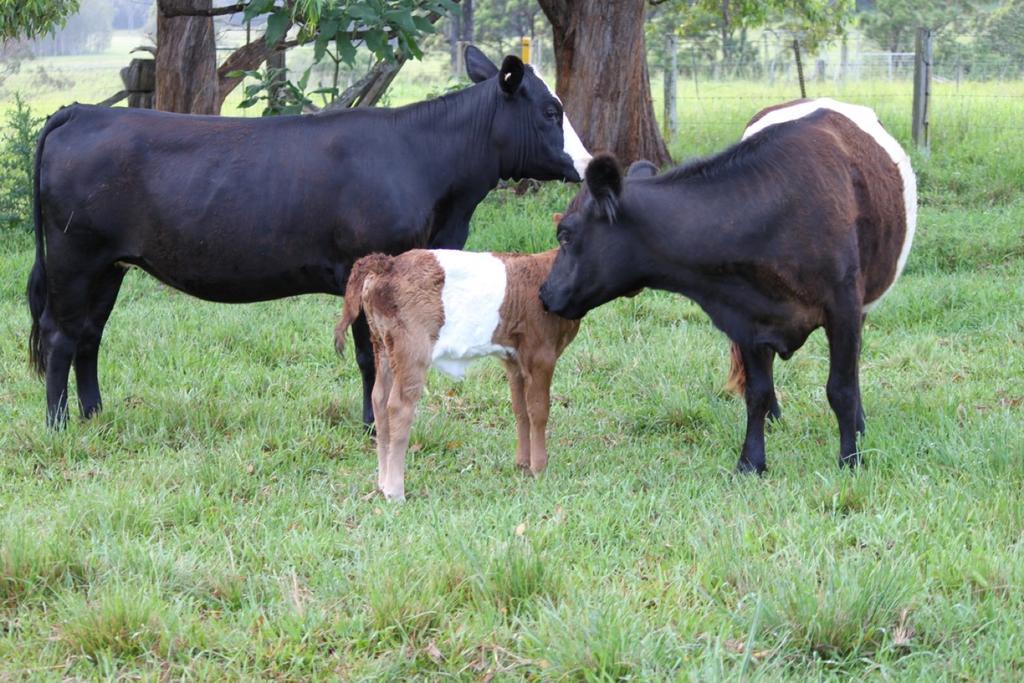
point(693, 61)
point(799, 69)
point(671, 70)
point(922, 88)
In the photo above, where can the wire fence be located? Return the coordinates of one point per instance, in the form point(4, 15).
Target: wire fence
point(978, 100)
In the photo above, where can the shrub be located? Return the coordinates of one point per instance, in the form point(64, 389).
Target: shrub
point(17, 165)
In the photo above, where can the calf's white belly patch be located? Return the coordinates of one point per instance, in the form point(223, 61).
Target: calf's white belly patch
point(474, 288)
point(865, 119)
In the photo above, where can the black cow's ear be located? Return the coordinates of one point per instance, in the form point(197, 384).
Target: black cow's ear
point(478, 66)
point(642, 169)
point(604, 180)
point(511, 74)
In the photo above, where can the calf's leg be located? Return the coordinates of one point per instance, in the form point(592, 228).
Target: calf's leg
point(516, 385)
point(759, 394)
point(409, 370)
point(381, 392)
point(537, 375)
point(843, 388)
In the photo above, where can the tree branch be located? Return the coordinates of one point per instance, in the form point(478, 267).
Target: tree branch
point(172, 8)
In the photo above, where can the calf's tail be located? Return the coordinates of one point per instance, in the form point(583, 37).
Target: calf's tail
point(737, 380)
point(373, 264)
point(36, 290)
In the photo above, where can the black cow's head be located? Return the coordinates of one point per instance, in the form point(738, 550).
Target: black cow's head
point(595, 260)
point(531, 132)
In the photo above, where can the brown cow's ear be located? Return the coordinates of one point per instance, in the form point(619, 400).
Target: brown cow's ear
point(558, 218)
point(604, 180)
point(511, 74)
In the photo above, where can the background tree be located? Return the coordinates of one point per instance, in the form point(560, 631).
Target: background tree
point(601, 61)
point(500, 24)
point(86, 31)
point(33, 18)
point(892, 24)
point(390, 29)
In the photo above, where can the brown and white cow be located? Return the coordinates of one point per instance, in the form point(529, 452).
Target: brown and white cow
point(868, 122)
point(446, 308)
point(806, 223)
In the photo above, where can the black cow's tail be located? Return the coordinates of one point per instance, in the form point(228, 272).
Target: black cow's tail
point(36, 290)
point(374, 264)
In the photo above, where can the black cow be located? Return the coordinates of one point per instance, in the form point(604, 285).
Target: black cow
point(241, 210)
point(805, 224)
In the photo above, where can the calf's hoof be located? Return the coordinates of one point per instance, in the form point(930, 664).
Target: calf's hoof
point(394, 496)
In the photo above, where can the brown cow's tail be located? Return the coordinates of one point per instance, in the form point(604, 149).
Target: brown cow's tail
point(36, 290)
point(368, 265)
point(737, 381)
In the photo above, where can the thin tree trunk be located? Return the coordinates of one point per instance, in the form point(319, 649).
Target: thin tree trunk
point(186, 62)
point(467, 21)
point(601, 61)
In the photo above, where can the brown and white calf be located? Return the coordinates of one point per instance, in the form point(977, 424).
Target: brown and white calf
point(446, 308)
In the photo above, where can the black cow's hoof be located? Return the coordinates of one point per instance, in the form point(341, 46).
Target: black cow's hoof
point(852, 461)
point(745, 467)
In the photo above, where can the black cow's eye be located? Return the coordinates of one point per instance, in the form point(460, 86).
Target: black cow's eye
point(562, 237)
point(553, 112)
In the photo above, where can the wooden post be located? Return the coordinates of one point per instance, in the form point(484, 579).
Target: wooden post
point(844, 60)
point(922, 88)
point(693, 60)
point(799, 69)
point(525, 55)
point(671, 70)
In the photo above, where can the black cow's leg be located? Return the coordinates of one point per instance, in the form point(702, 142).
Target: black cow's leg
point(843, 388)
point(760, 395)
point(59, 347)
point(367, 367)
point(104, 294)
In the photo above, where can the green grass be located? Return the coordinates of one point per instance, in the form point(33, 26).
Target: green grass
point(212, 522)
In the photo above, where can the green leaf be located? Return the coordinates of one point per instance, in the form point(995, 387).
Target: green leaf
point(364, 12)
point(423, 24)
point(401, 18)
point(346, 50)
point(255, 8)
point(277, 26)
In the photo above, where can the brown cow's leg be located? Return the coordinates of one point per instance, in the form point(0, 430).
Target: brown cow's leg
point(381, 392)
point(516, 385)
point(736, 383)
point(409, 365)
point(760, 390)
point(861, 419)
point(538, 403)
point(843, 388)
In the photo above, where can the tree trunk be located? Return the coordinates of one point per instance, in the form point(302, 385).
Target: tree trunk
point(186, 62)
point(601, 61)
point(467, 21)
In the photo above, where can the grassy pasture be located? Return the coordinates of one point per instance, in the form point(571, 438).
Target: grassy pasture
point(212, 523)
